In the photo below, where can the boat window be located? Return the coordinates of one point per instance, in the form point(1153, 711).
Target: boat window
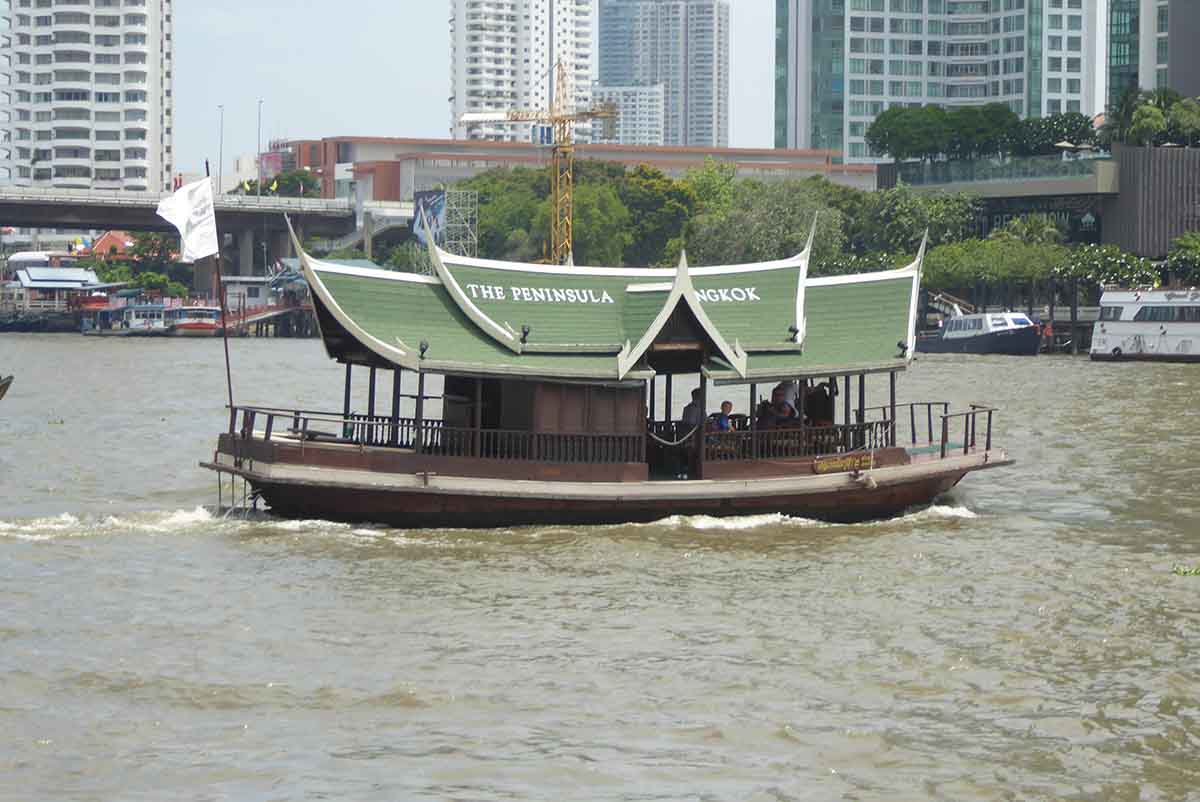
point(998, 321)
point(977, 324)
point(1110, 312)
point(1165, 314)
point(1190, 314)
point(1021, 320)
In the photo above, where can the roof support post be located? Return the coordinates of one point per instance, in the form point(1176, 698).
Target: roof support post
point(346, 403)
point(801, 392)
point(862, 398)
point(397, 373)
point(371, 405)
point(653, 399)
point(892, 404)
point(418, 423)
point(753, 400)
point(477, 415)
point(833, 390)
point(667, 411)
point(700, 444)
point(846, 410)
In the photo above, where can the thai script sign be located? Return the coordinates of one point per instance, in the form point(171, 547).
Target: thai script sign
point(860, 461)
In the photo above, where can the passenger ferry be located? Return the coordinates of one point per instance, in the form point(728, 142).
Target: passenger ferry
point(131, 320)
point(193, 321)
point(1011, 333)
point(543, 394)
point(1159, 325)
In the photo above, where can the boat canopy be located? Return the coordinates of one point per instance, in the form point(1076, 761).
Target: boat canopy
point(602, 324)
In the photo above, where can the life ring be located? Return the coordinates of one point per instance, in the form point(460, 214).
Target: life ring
point(1116, 352)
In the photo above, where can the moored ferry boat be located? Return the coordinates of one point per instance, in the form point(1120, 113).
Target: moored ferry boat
point(1008, 333)
point(129, 320)
point(193, 321)
point(535, 398)
point(1149, 325)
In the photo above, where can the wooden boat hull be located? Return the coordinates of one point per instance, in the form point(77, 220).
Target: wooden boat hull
point(1025, 341)
point(423, 501)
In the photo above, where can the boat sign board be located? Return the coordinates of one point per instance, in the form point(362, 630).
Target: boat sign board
point(843, 463)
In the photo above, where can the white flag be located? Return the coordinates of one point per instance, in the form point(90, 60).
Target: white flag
point(190, 209)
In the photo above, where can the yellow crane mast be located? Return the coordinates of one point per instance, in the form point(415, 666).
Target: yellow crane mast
point(562, 120)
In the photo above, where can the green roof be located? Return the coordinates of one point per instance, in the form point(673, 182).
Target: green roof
point(480, 317)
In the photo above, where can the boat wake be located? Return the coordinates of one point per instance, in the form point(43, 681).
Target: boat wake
point(201, 519)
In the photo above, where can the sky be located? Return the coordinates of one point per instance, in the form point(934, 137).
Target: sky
point(368, 68)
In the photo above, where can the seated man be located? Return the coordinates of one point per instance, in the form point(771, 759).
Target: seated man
point(818, 406)
point(778, 413)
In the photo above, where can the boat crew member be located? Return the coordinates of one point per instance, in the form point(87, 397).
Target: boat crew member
point(721, 422)
point(693, 415)
point(818, 406)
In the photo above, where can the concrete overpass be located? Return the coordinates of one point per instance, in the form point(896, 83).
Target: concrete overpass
point(26, 207)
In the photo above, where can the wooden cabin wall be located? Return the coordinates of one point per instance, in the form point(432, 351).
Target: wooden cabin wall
point(580, 409)
point(516, 405)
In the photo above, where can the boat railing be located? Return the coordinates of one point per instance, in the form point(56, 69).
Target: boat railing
point(921, 417)
point(931, 423)
point(797, 441)
point(434, 437)
point(970, 419)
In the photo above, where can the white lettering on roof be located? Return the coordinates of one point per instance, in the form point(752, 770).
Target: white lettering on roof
point(728, 295)
point(544, 295)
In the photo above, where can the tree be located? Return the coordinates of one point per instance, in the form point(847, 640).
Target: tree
point(409, 257)
point(659, 207)
point(1183, 121)
point(1119, 116)
point(894, 220)
point(154, 251)
point(1108, 264)
point(288, 184)
point(1148, 122)
point(602, 228)
point(509, 200)
point(894, 132)
point(765, 221)
point(711, 185)
point(1032, 229)
point(1183, 259)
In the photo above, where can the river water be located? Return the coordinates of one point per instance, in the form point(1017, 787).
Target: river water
point(1027, 637)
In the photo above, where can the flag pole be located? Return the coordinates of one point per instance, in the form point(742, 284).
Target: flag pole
point(224, 311)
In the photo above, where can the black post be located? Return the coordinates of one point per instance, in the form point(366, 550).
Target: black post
point(653, 399)
point(753, 403)
point(370, 427)
point(418, 439)
point(862, 398)
point(346, 428)
point(477, 416)
point(667, 411)
point(397, 372)
point(849, 444)
point(892, 390)
point(801, 392)
point(703, 421)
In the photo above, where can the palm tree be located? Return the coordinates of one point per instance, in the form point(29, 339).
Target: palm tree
point(1120, 116)
point(1032, 229)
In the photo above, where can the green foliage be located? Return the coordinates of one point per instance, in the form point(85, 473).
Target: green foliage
point(509, 200)
point(1032, 229)
point(843, 264)
point(659, 207)
point(1108, 264)
point(1183, 570)
point(711, 185)
point(603, 229)
point(894, 220)
point(764, 221)
point(1183, 259)
point(347, 253)
point(973, 132)
point(409, 257)
point(1119, 117)
point(993, 262)
point(1148, 122)
point(1183, 122)
point(288, 184)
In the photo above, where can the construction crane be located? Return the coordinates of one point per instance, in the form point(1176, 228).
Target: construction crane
point(562, 120)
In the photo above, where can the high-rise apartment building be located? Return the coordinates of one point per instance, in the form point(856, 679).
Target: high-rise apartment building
point(89, 100)
point(1153, 44)
point(682, 45)
point(839, 63)
point(503, 55)
point(641, 114)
